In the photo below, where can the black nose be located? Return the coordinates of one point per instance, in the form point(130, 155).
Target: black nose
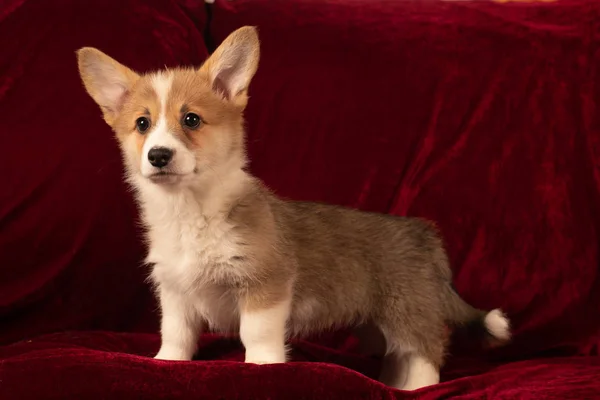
point(160, 156)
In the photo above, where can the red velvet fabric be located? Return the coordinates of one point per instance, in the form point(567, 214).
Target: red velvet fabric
point(482, 117)
point(69, 246)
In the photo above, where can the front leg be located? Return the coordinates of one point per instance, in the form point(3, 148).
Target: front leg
point(263, 322)
point(181, 326)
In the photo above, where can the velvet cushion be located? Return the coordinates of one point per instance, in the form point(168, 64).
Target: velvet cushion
point(482, 117)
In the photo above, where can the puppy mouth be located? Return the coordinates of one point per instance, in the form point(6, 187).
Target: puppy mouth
point(169, 177)
point(165, 177)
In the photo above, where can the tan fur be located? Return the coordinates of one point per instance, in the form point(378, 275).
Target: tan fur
point(192, 92)
point(338, 267)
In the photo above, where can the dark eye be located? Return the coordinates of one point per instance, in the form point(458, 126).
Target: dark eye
point(142, 124)
point(191, 120)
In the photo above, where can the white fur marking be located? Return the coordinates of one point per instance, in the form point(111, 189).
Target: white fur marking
point(184, 161)
point(159, 135)
point(263, 333)
point(420, 373)
point(161, 82)
point(497, 324)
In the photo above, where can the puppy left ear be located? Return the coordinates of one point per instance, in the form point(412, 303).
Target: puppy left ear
point(107, 81)
point(231, 67)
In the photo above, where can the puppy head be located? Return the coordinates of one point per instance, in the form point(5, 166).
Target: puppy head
point(176, 125)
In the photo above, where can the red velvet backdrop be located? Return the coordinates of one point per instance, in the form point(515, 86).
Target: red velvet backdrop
point(483, 117)
point(70, 253)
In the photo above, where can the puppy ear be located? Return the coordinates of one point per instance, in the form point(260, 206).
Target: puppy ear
point(231, 67)
point(107, 81)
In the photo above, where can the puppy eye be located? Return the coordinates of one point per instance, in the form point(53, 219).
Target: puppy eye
point(142, 124)
point(191, 120)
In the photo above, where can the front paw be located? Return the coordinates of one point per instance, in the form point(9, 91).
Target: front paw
point(265, 357)
point(172, 355)
point(263, 362)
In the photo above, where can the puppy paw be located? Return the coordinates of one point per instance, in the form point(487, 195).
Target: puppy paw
point(263, 362)
point(264, 358)
point(172, 355)
point(258, 362)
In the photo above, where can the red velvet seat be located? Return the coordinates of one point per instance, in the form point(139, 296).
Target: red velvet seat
point(483, 117)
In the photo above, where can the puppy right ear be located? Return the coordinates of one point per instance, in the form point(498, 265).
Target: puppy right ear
point(107, 81)
point(233, 64)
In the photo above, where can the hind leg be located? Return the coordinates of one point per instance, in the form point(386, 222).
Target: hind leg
point(394, 370)
point(410, 369)
point(414, 357)
point(420, 372)
point(372, 342)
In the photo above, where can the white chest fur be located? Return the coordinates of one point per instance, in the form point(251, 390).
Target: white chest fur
point(192, 255)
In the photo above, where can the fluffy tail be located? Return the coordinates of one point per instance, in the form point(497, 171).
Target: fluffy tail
point(491, 326)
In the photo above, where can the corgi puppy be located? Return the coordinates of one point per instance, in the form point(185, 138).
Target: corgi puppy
point(227, 255)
